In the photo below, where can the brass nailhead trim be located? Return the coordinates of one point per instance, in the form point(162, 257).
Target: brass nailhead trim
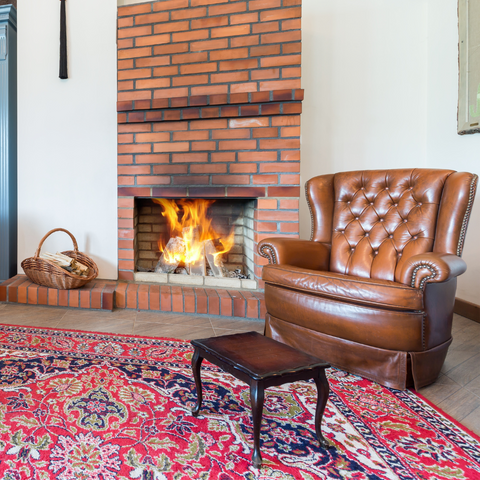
point(422, 283)
point(463, 231)
point(268, 252)
point(310, 209)
point(423, 331)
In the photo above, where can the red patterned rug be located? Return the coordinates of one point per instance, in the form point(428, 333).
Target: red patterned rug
point(86, 406)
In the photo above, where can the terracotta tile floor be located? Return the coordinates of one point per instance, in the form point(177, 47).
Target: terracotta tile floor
point(457, 390)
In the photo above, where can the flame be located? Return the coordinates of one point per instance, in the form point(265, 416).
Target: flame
point(188, 220)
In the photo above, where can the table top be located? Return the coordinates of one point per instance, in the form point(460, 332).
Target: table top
point(257, 355)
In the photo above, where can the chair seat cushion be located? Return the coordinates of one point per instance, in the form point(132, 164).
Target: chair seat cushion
point(360, 290)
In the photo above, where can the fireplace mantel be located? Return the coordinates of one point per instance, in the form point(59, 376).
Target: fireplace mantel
point(291, 95)
point(279, 102)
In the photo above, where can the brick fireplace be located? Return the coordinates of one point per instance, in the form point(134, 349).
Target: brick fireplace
point(209, 102)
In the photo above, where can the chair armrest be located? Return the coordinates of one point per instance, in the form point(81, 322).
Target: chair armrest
point(296, 252)
point(431, 267)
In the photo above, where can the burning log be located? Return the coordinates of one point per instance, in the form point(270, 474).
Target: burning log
point(213, 258)
point(195, 257)
point(197, 267)
point(200, 255)
point(195, 246)
point(171, 256)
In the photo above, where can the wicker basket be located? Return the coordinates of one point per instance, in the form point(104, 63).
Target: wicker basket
point(46, 273)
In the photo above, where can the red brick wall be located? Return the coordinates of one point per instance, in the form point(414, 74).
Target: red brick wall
point(168, 49)
point(209, 106)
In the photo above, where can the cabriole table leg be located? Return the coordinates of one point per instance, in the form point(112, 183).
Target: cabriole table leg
point(196, 365)
point(256, 399)
point(323, 390)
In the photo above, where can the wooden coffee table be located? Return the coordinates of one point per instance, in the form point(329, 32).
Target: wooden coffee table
point(261, 362)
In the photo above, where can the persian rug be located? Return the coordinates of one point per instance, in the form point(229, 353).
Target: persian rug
point(77, 405)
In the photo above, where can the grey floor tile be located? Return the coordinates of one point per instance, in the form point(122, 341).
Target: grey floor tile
point(237, 324)
point(173, 319)
point(85, 315)
point(438, 392)
point(181, 332)
point(466, 371)
point(460, 404)
point(474, 385)
point(99, 324)
point(472, 421)
point(444, 380)
point(467, 340)
point(33, 322)
point(456, 358)
point(459, 323)
point(29, 315)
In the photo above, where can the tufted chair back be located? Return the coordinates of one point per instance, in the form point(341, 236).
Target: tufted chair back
point(374, 221)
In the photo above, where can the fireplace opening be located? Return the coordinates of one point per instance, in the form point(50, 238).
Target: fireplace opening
point(195, 241)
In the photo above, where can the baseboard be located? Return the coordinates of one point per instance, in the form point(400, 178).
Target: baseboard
point(467, 309)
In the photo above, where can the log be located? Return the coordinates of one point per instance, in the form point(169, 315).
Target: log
point(60, 260)
point(170, 257)
point(198, 267)
point(194, 247)
point(79, 269)
point(214, 261)
point(67, 263)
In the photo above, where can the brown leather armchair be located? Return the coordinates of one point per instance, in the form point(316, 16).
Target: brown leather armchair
point(373, 291)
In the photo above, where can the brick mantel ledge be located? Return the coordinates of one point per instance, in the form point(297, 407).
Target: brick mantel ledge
point(294, 95)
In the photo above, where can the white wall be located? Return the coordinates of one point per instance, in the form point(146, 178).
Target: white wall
point(380, 80)
point(445, 148)
point(364, 75)
point(120, 3)
point(67, 130)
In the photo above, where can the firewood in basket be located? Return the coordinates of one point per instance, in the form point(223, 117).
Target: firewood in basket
point(79, 266)
point(80, 269)
point(67, 263)
point(60, 260)
point(76, 271)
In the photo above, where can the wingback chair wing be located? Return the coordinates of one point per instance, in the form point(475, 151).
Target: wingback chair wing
point(373, 291)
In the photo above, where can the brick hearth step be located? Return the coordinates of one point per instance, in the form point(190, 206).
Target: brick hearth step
point(107, 294)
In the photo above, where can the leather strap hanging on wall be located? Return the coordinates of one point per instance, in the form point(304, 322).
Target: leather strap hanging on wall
point(63, 41)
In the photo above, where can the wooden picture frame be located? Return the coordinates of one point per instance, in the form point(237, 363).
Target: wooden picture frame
point(468, 120)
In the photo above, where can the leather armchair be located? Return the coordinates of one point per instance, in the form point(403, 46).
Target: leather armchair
point(373, 291)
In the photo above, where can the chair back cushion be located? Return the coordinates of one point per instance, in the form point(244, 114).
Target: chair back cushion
point(383, 217)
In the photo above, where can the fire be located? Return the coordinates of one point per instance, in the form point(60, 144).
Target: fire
point(188, 220)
